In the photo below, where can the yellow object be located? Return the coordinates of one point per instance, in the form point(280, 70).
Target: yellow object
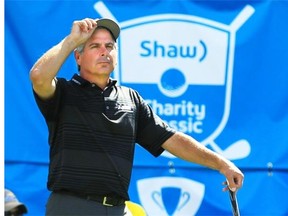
point(135, 209)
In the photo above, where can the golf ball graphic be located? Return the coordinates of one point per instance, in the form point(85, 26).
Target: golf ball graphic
point(172, 83)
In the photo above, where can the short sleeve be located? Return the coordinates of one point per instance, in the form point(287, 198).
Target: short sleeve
point(152, 131)
point(49, 108)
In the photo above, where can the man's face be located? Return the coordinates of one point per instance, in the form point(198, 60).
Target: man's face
point(99, 56)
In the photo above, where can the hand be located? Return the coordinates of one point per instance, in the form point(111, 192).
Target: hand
point(82, 30)
point(234, 177)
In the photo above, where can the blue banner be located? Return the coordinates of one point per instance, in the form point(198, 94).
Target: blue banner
point(215, 70)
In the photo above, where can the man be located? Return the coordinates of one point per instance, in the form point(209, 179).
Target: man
point(94, 125)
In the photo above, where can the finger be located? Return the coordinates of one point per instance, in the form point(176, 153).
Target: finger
point(233, 184)
point(87, 24)
point(91, 23)
point(226, 188)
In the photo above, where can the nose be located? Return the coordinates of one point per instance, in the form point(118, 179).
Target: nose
point(104, 51)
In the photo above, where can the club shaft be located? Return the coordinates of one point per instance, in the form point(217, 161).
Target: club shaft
point(234, 203)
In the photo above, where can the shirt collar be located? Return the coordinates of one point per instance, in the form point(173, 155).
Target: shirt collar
point(83, 82)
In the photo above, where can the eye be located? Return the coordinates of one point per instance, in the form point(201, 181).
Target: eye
point(110, 46)
point(94, 46)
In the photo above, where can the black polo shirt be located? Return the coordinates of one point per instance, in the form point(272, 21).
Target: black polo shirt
point(92, 135)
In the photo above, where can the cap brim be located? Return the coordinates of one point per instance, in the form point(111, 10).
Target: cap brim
point(111, 25)
point(12, 205)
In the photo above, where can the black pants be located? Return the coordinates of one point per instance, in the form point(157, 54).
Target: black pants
point(63, 204)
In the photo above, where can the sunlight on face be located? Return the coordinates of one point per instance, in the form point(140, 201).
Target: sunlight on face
point(99, 55)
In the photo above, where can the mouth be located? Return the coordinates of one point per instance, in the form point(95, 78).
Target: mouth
point(105, 60)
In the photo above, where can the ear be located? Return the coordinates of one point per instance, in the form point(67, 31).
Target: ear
point(77, 57)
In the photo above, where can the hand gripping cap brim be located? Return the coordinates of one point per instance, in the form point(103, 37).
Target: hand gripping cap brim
point(111, 25)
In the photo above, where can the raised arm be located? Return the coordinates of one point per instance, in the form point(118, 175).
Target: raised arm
point(46, 68)
point(187, 148)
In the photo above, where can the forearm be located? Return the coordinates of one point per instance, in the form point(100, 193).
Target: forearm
point(189, 149)
point(47, 67)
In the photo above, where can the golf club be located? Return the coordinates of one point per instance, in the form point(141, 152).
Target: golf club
point(234, 203)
